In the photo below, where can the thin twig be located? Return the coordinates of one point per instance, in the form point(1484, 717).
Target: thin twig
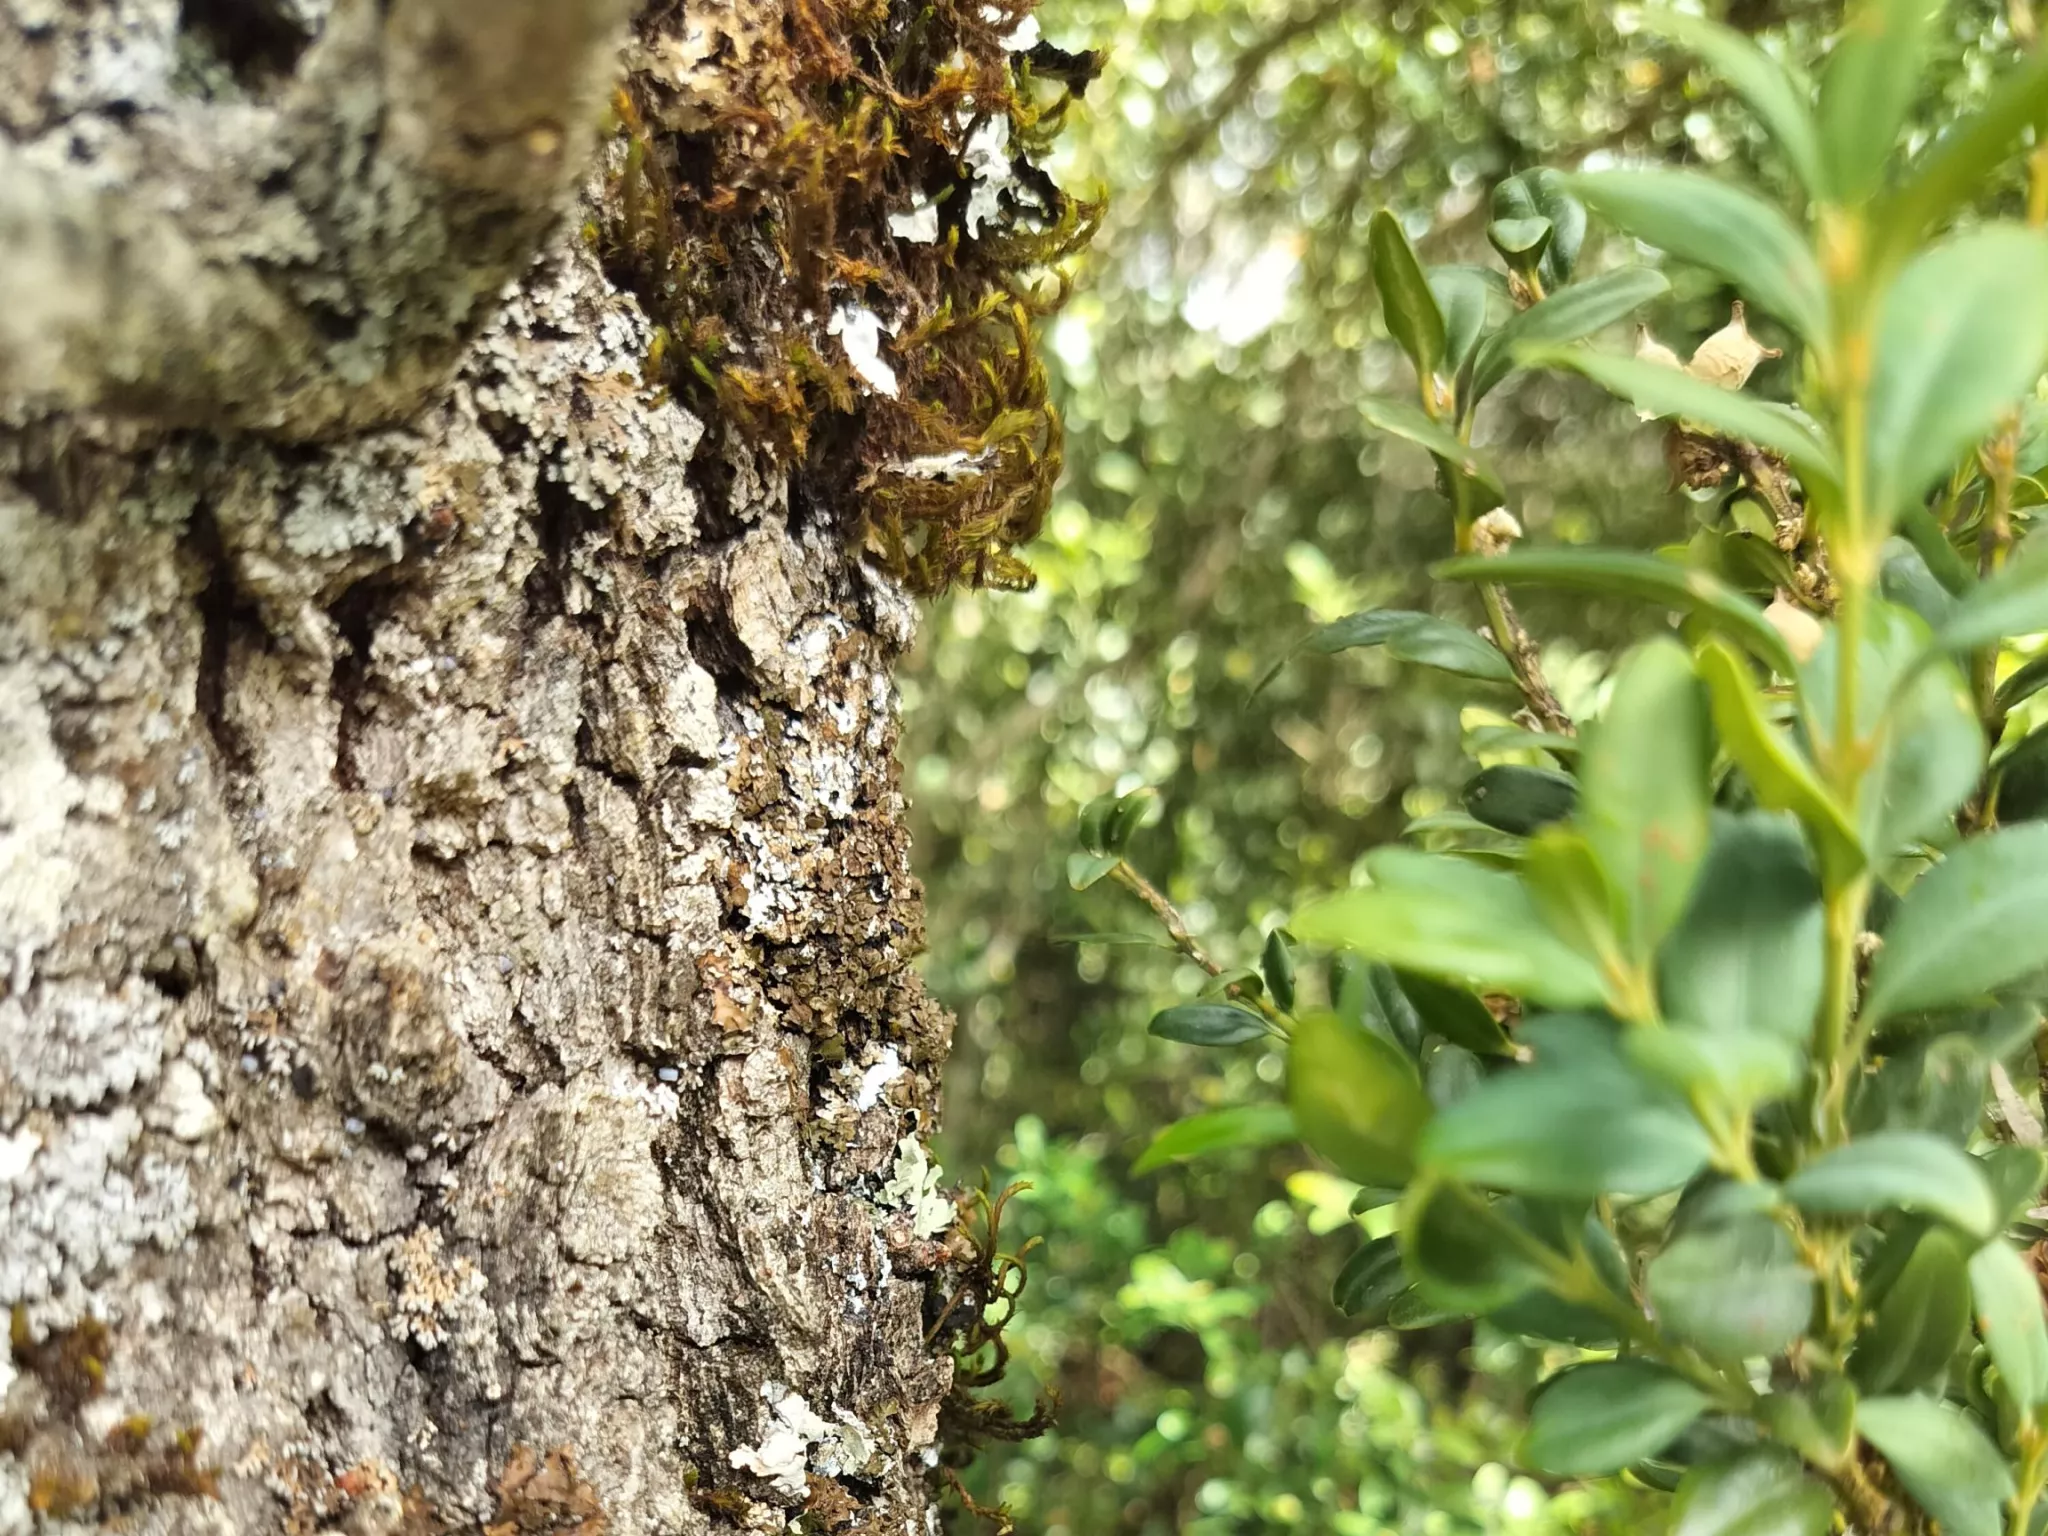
point(1184, 940)
point(1513, 642)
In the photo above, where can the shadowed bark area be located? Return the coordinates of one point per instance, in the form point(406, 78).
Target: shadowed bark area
point(459, 1062)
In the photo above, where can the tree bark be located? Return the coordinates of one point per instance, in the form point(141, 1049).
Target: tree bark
point(460, 1065)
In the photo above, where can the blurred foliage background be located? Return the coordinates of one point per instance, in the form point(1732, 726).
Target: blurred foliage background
point(1223, 496)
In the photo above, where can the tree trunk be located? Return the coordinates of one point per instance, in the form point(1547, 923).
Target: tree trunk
point(460, 1064)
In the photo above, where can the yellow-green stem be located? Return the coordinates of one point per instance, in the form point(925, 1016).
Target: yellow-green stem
point(2032, 1479)
point(1852, 555)
point(1836, 1045)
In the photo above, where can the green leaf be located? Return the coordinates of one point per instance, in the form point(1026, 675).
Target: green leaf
point(1736, 1068)
point(1541, 1315)
point(1522, 243)
point(2014, 602)
point(1935, 1085)
point(1450, 648)
point(1453, 1014)
point(1126, 818)
point(1084, 869)
point(1405, 298)
point(1359, 631)
point(1572, 892)
point(1762, 1493)
point(1387, 1009)
point(1218, 1130)
point(1446, 821)
point(1917, 525)
point(1733, 1290)
point(1870, 82)
point(1276, 964)
point(1915, 723)
point(1579, 1122)
point(1643, 777)
point(1817, 1421)
point(1779, 774)
point(1944, 1460)
point(1511, 798)
point(1770, 90)
point(1963, 334)
point(1897, 1170)
point(2024, 683)
point(1357, 1099)
point(1595, 1419)
point(1483, 739)
point(1545, 194)
point(1405, 421)
point(1091, 826)
point(1720, 1199)
point(1953, 170)
point(1749, 952)
point(1628, 574)
point(1113, 940)
point(1453, 1247)
point(1570, 314)
point(1369, 1282)
point(1928, 760)
point(2016, 1175)
point(1466, 296)
point(1711, 224)
point(1409, 636)
point(1904, 578)
point(1412, 1310)
point(1974, 923)
point(1665, 391)
point(1458, 923)
point(2008, 1304)
point(1920, 1318)
point(1208, 1024)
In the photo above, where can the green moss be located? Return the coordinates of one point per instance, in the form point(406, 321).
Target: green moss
point(743, 228)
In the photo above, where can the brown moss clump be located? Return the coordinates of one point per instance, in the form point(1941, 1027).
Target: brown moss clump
point(987, 1281)
point(765, 145)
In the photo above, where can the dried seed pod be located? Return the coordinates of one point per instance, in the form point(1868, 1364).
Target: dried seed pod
point(1800, 630)
point(1650, 350)
point(1729, 356)
point(1493, 532)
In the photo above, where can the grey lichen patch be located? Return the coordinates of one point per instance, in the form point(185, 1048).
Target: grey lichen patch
point(79, 1206)
point(37, 794)
point(76, 1043)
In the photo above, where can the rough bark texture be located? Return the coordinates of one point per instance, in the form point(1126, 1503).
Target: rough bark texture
point(456, 924)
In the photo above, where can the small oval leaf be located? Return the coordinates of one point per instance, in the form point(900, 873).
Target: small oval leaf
point(1511, 798)
point(1357, 1098)
point(1762, 1493)
point(1945, 1461)
point(1208, 1024)
point(1974, 923)
point(1595, 1419)
point(1218, 1130)
point(1897, 1170)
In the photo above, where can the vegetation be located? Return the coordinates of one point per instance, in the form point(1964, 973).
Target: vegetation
point(1686, 1061)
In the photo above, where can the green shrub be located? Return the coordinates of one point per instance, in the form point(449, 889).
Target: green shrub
point(1692, 1043)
